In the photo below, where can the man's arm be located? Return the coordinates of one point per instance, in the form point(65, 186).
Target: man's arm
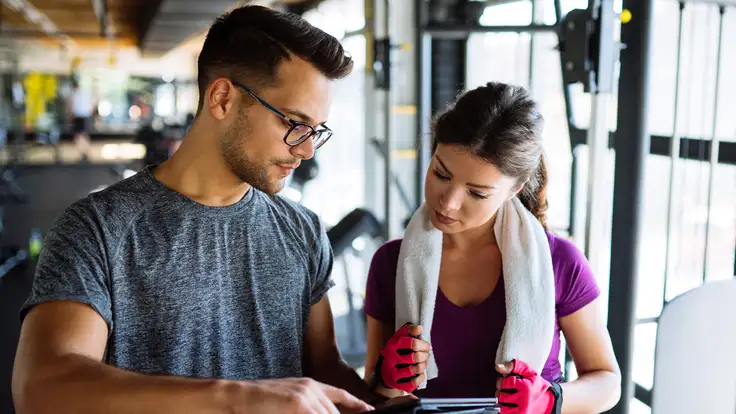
point(323, 361)
point(58, 370)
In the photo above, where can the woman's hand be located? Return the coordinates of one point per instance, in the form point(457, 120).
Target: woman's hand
point(403, 360)
point(523, 391)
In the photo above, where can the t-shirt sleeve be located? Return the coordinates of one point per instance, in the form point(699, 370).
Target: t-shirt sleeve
point(576, 284)
point(380, 302)
point(321, 266)
point(72, 264)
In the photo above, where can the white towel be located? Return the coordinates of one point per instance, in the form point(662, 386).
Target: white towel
point(528, 283)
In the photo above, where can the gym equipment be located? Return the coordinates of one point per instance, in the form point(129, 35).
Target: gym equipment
point(307, 171)
point(9, 188)
point(394, 179)
point(12, 261)
point(358, 223)
point(692, 328)
point(160, 140)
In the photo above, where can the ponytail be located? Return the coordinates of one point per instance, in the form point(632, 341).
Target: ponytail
point(534, 194)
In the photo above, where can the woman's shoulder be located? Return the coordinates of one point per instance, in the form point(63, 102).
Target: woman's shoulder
point(387, 255)
point(565, 253)
point(575, 283)
point(390, 247)
point(381, 283)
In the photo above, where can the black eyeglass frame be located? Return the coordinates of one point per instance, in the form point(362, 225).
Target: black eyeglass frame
point(314, 133)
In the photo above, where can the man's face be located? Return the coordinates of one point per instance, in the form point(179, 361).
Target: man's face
point(253, 142)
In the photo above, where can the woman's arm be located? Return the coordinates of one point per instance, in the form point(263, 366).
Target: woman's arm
point(378, 334)
point(598, 387)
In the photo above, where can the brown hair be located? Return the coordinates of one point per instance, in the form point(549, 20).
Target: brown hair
point(250, 43)
point(502, 125)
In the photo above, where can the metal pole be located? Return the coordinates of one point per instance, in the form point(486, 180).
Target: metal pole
point(632, 147)
point(572, 129)
point(531, 48)
point(424, 99)
point(714, 144)
point(572, 216)
point(597, 171)
point(675, 158)
point(372, 116)
point(598, 190)
point(382, 32)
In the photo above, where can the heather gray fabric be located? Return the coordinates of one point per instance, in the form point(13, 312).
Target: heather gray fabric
point(188, 289)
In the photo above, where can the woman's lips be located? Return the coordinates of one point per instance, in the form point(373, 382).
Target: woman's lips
point(443, 218)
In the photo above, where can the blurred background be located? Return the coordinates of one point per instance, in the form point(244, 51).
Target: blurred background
point(640, 133)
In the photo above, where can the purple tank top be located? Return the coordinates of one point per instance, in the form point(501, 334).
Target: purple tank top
point(465, 339)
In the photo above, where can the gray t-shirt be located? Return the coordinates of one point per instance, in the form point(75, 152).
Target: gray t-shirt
point(187, 289)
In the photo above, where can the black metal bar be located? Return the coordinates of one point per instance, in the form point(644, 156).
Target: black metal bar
point(566, 83)
point(691, 148)
point(642, 394)
point(453, 31)
point(660, 145)
point(632, 147)
point(714, 140)
point(674, 147)
point(577, 137)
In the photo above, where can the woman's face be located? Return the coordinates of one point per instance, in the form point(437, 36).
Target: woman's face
point(463, 192)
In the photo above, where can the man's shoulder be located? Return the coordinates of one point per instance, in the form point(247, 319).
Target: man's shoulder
point(113, 206)
point(295, 213)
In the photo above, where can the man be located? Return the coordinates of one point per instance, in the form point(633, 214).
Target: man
point(190, 287)
point(81, 107)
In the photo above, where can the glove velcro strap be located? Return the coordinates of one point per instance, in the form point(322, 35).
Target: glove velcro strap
point(556, 390)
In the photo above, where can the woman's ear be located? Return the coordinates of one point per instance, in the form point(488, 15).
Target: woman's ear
point(517, 190)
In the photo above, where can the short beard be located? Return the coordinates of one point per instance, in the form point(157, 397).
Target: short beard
point(254, 172)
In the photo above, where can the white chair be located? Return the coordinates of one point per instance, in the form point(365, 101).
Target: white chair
point(695, 362)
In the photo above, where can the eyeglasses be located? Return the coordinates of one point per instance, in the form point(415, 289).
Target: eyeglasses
point(298, 131)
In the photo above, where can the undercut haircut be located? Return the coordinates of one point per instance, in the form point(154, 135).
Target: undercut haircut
point(249, 43)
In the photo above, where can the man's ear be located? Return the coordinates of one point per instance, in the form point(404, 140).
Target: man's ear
point(220, 97)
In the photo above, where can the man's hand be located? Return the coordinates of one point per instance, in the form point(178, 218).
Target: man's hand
point(299, 396)
point(404, 359)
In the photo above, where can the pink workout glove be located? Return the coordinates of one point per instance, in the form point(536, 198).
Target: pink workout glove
point(395, 362)
point(523, 391)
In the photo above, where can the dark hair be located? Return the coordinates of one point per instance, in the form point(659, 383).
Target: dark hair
point(501, 124)
point(251, 41)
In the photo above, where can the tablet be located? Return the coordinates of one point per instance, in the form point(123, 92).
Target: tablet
point(443, 405)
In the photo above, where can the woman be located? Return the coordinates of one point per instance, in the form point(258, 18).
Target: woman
point(487, 150)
